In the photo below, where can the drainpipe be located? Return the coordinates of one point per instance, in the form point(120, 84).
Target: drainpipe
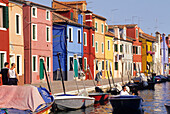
point(30, 50)
point(66, 52)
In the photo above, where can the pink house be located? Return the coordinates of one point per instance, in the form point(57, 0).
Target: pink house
point(37, 27)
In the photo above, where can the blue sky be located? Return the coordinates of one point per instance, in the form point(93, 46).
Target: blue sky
point(151, 15)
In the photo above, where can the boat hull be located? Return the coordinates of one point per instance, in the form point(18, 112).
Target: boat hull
point(167, 108)
point(100, 98)
point(124, 103)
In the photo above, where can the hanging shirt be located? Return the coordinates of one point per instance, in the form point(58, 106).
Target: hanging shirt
point(124, 93)
point(12, 73)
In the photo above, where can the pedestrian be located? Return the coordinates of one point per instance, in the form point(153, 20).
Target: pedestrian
point(4, 73)
point(124, 92)
point(98, 78)
point(13, 75)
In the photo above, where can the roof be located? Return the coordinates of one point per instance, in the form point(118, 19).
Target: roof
point(109, 34)
point(36, 4)
point(122, 26)
point(147, 36)
point(100, 17)
point(130, 38)
point(63, 9)
point(74, 2)
point(57, 18)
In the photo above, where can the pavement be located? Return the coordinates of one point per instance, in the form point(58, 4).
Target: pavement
point(71, 87)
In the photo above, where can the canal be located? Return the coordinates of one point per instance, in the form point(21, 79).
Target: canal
point(154, 101)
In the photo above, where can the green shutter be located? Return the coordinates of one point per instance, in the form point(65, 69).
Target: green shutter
point(96, 26)
point(102, 48)
point(33, 32)
point(5, 17)
point(85, 63)
point(116, 65)
point(121, 50)
point(47, 34)
point(116, 49)
point(48, 65)
point(34, 63)
point(71, 16)
point(102, 28)
point(41, 69)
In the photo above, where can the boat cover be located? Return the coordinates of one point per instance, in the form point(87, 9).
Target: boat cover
point(20, 97)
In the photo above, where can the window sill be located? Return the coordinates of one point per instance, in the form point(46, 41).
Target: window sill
point(34, 16)
point(19, 74)
point(3, 29)
point(79, 42)
point(71, 41)
point(34, 40)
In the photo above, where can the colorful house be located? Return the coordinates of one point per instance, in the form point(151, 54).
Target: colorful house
point(100, 65)
point(68, 41)
point(168, 44)
point(4, 33)
point(109, 38)
point(164, 54)
point(37, 42)
point(16, 37)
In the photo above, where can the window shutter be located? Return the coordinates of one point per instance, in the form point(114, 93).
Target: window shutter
point(5, 17)
point(71, 16)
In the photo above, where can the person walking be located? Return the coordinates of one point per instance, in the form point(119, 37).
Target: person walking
point(4, 73)
point(13, 75)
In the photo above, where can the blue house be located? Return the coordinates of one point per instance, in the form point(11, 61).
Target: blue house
point(164, 54)
point(68, 41)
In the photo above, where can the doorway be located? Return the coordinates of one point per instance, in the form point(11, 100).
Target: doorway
point(41, 69)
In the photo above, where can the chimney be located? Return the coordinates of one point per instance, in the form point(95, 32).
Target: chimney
point(88, 17)
point(116, 31)
point(157, 37)
point(124, 33)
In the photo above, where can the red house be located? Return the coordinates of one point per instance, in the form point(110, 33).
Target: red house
point(88, 45)
point(4, 33)
point(133, 31)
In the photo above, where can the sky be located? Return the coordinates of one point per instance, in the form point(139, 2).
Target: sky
point(150, 15)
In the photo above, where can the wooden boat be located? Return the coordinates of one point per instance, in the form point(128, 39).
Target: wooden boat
point(100, 98)
point(125, 103)
point(36, 100)
point(167, 108)
point(168, 77)
point(73, 102)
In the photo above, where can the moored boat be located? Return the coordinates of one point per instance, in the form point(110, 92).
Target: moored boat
point(25, 100)
point(100, 98)
point(167, 108)
point(66, 101)
point(125, 103)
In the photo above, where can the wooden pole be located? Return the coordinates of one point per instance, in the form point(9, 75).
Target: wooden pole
point(47, 78)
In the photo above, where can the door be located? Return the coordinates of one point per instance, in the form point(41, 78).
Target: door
point(41, 69)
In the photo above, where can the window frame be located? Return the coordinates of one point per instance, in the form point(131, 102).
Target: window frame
point(108, 44)
point(48, 70)
point(107, 65)
point(20, 64)
point(70, 62)
point(116, 68)
point(5, 58)
point(93, 40)
point(85, 38)
point(49, 35)
point(96, 26)
point(102, 28)
point(137, 35)
point(78, 36)
point(35, 33)
point(102, 65)
point(36, 64)
point(35, 12)
point(96, 47)
point(85, 59)
point(102, 48)
point(48, 14)
point(19, 24)
point(70, 28)
point(115, 47)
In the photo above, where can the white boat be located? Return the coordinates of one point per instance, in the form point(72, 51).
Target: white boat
point(66, 101)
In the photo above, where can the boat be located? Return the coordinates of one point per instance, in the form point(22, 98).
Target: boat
point(160, 79)
point(125, 103)
point(100, 98)
point(167, 108)
point(168, 77)
point(25, 100)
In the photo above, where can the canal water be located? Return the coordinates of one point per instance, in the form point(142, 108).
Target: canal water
point(153, 103)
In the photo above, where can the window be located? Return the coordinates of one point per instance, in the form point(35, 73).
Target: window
point(102, 28)
point(116, 65)
point(80, 63)
point(107, 67)
point(70, 35)
point(19, 64)
point(108, 45)
point(97, 65)
point(93, 40)
point(85, 63)
point(48, 34)
point(150, 48)
point(48, 61)
point(139, 50)
point(136, 49)
point(102, 65)
point(71, 63)
point(134, 66)
point(136, 33)
point(116, 48)
point(18, 24)
point(34, 63)
point(102, 47)
point(121, 48)
point(79, 36)
point(96, 48)
point(106, 28)
point(47, 15)
point(4, 18)
point(85, 39)
point(34, 12)
point(2, 59)
point(96, 26)
point(71, 16)
point(34, 32)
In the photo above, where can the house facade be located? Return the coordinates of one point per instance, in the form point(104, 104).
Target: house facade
point(16, 37)
point(37, 42)
point(68, 41)
point(4, 33)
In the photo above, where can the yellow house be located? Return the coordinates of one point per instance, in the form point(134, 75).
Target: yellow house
point(16, 40)
point(149, 56)
point(99, 62)
point(109, 53)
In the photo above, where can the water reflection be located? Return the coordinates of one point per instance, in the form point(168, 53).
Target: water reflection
point(153, 102)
